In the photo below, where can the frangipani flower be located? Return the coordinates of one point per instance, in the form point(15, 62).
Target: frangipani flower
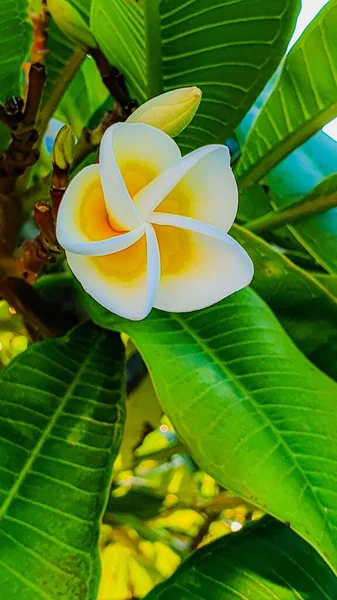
point(147, 228)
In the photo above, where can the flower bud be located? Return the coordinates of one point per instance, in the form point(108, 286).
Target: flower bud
point(171, 112)
point(71, 22)
point(63, 150)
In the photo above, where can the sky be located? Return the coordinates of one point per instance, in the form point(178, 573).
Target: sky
point(309, 9)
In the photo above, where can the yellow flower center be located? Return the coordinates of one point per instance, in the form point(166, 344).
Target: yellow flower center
point(127, 265)
point(136, 176)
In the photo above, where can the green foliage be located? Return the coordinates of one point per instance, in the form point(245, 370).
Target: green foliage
point(84, 96)
point(62, 412)
point(304, 99)
point(245, 389)
point(14, 45)
point(316, 234)
point(194, 43)
point(230, 379)
point(265, 560)
point(300, 299)
point(62, 64)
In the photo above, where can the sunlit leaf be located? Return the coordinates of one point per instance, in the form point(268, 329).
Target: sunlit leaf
point(303, 100)
point(228, 49)
point(248, 405)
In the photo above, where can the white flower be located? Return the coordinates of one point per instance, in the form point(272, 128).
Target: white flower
point(147, 228)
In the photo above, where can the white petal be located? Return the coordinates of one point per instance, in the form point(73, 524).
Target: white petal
point(82, 224)
point(208, 192)
point(200, 265)
point(131, 156)
point(124, 283)
point(201, 186)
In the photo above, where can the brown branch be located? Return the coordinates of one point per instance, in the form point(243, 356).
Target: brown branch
point(196, 541)
point(37, 80)
point(114, 82)
point(10, 119)
point(30, 306)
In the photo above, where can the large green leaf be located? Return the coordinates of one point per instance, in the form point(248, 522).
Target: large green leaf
point(303, 100)
point(254, 412)
point(229, 49)
point(264, 561)
point(62, 412)
point(304, 304)
point(85, 95)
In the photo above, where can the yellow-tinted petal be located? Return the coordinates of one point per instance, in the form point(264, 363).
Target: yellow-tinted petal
point(131, 156)
point(171, 112)
point(125, 282)
point(82, 224)
point(200, 186)
point(200, 265)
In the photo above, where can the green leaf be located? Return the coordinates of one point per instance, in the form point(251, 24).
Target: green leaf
point(62, 64)
point(14, 45)
point(85, 95)
point(308, 171)
point(303, 100)
point(168, 45)
point(265, 560)
point(304, 304)
point(293, 180)
point(304, 223)
point(62, 412)
point(140, 503)
point(254, 413)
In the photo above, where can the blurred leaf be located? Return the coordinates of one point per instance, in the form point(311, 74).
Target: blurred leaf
point(195, 43)
point(305, 306)
point(265, 560)
point(248, 405)
point(303, 100)
point(139, 503)
point(122, 574)
point(62, 64)
point(185, 520)
point(142, 412)
point(62, 411)
point(330, 282)
point(84, 96)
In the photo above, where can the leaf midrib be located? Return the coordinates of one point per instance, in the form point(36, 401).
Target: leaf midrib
point(153, 44)
point(259, 169)
point(247, 393)
point(35, 452)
